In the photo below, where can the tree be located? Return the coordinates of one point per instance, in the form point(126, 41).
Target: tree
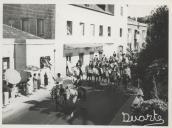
point(157, 42)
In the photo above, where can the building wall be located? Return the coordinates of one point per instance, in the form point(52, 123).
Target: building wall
point(35, 49)
point(141, 38)
point(14, 13)
point(7, 48)
point(38, 48)
point(20, 56)
point(77, 15)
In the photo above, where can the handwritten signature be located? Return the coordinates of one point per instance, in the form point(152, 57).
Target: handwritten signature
point(155, 118)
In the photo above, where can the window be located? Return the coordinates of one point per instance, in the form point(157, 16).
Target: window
point(109, 31)
point(25, 25)
point(45, 61)
point(5, 65)
point(135, 33)
point(11, 22)
point(102, 6)
point(86, 5)
point(120, 48)
point(129, 46)
point(114, 10)
point(91, 55)
point(40, 27)
point(129, 35)
point(121, 11)
point(81, 58)
point(68, 58)
point(82, 26)
point(92, 29)
point(101, 30)
point(120, 32)
point(69, 27)
point(144, 34)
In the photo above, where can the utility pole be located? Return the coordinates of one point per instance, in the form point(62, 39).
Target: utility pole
point(54, 61)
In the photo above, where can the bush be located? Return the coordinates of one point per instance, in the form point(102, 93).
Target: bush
point(155, 52)
point(149, 107)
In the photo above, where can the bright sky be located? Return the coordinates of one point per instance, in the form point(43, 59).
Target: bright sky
point(140, 10)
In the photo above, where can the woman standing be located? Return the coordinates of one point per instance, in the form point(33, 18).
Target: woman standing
point(30, 85)
point(34, 82)
point(39, 81)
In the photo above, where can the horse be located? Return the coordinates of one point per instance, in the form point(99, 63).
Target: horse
point(96, 73)
point(77, 72)
point(105, 73)
point(89, 72)
point(114, 77)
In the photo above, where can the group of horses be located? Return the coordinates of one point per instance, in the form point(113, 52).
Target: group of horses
point(112, 71)
point(68, 93)
point(108, 71)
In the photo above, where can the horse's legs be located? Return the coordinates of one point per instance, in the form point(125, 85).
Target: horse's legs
point(56, 102)
point(89, 77)
point(99, 77)
point(95, 78)
point(107, 80)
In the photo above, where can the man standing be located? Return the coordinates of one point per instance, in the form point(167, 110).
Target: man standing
point(45, 79)
point(39, 81)
point(34, 82)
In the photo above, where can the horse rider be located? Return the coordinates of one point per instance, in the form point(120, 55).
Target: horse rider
point(79, 65)
point(95, 58)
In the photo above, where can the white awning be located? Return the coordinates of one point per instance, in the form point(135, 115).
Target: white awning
point(75, 49)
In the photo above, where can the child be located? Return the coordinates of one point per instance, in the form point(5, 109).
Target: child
point(59, 79)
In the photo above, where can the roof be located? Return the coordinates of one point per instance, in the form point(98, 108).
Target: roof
point(135, 23)
point(94, 7)
point(11, 32)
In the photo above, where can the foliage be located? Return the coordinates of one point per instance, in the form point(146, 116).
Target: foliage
point(148, 106)
point(145, 19)
point(156, 50)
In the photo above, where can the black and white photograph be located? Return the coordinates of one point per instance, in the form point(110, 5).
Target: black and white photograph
point(96, 64)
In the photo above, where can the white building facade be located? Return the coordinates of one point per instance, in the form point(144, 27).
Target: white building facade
point(83, 24)
point(87, 29)
point(137, 33)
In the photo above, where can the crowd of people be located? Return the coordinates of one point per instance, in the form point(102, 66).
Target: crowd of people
point(111, 69)
point(102, 69)
point(27, 86)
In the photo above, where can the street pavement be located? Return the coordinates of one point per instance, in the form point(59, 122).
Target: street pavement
point(103, 106)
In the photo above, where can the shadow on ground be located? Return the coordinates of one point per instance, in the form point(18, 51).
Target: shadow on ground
point(99, 108)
